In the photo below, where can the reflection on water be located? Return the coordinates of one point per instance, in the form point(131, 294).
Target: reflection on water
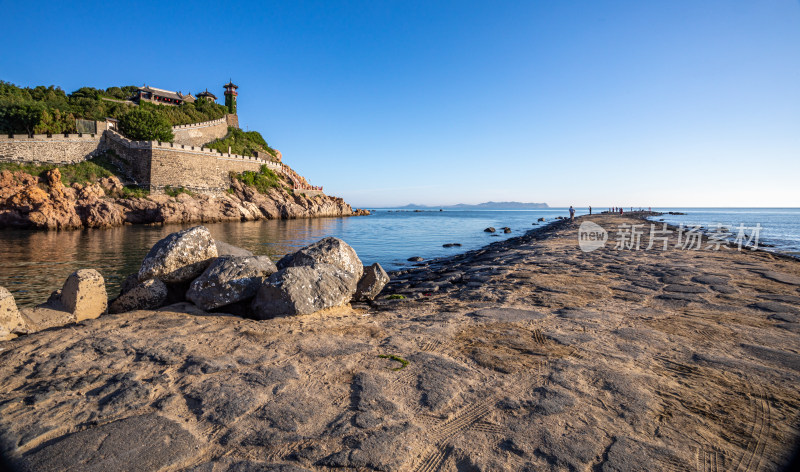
point(33, 264)
point(36, 263)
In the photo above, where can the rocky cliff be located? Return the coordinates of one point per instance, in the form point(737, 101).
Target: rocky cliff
point(45, 203)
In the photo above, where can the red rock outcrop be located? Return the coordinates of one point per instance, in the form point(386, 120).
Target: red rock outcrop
point(45, 203)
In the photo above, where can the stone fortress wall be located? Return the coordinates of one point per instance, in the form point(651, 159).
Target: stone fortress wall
point(197, 134)
point(43, 149)
point(151, 164)
point(156, 165)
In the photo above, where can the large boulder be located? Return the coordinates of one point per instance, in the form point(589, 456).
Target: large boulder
point(303, 290)
point(179, 257)
point(371, 283)
point(330, 250)
point(11, 321)
point(230, 279)
point(84, 294)
point(147, 295)
point(225, 249)
point(128, 283)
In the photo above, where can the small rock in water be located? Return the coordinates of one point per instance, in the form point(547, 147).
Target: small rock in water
point(490, 230)
point(506, 230)
point(415, 259)
point(451, 245)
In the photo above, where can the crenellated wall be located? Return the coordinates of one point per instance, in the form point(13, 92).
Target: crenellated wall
point(198, 134)
point(43, 149)
point(132, 156)
point(156, 165)
point(151, 164)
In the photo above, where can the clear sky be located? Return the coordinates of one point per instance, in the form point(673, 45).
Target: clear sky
point(646, 103)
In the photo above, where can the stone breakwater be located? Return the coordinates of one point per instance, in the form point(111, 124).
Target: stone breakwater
point(528, 354)
point(45, 203)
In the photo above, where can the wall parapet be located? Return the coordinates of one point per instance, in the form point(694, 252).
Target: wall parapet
point(41, 149)
point(48, 138)
point(150, 164)
point(203, 124)
point(187, 149)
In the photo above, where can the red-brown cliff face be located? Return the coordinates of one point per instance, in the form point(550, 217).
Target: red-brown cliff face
point(45, 203)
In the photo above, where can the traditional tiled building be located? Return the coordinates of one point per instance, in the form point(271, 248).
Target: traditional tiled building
point(207, 96)
point(160, 96)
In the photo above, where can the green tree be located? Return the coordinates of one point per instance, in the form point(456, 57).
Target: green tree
point(141, 124)
point(23, 117)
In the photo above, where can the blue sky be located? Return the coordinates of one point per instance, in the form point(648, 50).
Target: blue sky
point(645, 103)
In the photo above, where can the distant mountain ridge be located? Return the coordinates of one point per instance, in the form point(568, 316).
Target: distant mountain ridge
point(481, 206)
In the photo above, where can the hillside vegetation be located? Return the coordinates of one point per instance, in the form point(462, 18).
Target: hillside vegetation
point(50, 110)
point(262, 181)
point(244, 143)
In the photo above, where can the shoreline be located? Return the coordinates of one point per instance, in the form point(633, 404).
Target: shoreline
point(528, 354)
point(44, 203)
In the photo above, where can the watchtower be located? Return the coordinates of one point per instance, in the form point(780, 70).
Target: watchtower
point(230, 97)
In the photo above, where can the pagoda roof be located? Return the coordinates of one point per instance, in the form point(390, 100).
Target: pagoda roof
point(207, 94)
point(231, 84)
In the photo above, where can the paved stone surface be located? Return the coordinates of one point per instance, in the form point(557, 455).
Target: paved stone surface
point(141, 443)
point(534, 357)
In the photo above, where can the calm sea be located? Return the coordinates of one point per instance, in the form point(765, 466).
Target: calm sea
point(779, 227)
point(36, 263)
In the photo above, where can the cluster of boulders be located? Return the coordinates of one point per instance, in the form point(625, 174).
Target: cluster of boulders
point(190, 266)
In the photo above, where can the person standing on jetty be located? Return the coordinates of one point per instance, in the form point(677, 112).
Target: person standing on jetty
point(571, 213)
point(590, 210)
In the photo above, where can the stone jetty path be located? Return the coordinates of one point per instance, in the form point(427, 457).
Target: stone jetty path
point(526, 355)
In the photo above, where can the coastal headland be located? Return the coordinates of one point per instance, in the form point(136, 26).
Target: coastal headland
point(528, 354)
point(44, 202)
point(157, 157)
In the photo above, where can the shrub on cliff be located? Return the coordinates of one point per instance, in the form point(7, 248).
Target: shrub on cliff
point(262, 181)
point(244, 143)
point(86, 172)
point(141, 124)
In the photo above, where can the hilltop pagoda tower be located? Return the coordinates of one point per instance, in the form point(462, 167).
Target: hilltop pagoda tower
point(230, 97)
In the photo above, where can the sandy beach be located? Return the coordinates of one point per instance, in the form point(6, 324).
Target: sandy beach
point(528, 354)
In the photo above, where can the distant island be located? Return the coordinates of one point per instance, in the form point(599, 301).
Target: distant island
point(481, 206)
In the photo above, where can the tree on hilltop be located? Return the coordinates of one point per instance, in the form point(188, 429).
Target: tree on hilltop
point(141, 124)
